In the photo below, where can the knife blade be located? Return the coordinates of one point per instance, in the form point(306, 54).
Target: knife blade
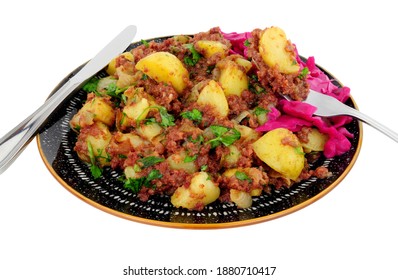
point(15, 141)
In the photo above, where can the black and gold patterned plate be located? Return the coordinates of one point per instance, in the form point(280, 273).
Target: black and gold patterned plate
point(56, 141)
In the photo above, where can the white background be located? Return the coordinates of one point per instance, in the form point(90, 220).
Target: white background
point(351, 233)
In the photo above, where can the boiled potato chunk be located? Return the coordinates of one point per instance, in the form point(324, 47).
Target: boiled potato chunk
point(95, 109)
point(178, 162)
point(277, 51)
point(137, 111)
point(212, 94)
point(165, 67)
point(233, 78)
point(149, 131)
point(209, 48)
point(111, 69)
point(132, 139)
point(95, 138)
point(316, 141)
point(201, 191)
point(281, 150)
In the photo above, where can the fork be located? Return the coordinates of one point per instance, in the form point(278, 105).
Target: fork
point(327, 106)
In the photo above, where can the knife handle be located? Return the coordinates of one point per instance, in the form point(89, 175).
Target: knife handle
point(15, 141)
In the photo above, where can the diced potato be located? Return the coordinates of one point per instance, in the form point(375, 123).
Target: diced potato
point(277, 51)
point(256, 177)
point(201, 191)
point(98, 137)
point(183, 39)
point(256, 192)
point(281, 150)
point(149, 131)
point(212, 94)
point(232, 78)
point(231, 172)
point(253, 173)
point(208, 48)
point(95, 109)
point(137, 111)
point(133, 139)
point(135, 94)
point(316, 141)
point(111, 69)
point(240, 198)
point(179, 162)
point(165, 67)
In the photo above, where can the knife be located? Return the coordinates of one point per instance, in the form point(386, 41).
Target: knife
point(15, 141)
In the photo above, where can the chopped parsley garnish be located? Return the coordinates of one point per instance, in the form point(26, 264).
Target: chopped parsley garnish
point(304, 72)
point(242, 176)
point(116, 92)
point(150, 161)
point(96, 171)
point(166, 118)
point(299, 150)
point(192, 59)
point(91, 85)
point(255, 86)
point(190, 158)
point(224, 135)
point(135, 184)
point(145, 43)
point(259, 111)
point(246, 43)
point(154, 174)
point(144, 77)
point(197, 140)
point(194, 115)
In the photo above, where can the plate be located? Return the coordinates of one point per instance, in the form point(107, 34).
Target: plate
point(56, 141)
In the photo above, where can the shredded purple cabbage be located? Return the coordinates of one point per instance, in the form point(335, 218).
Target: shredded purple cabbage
point(238, 42)
point(294, 115)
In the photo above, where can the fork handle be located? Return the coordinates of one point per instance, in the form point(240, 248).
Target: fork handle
point(375, 124)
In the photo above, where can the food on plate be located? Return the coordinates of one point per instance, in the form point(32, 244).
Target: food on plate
point(164, 67)
point(277, 51)
point(281, 150)
point(214, 96)
point(199, 118)
point(200, 192)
